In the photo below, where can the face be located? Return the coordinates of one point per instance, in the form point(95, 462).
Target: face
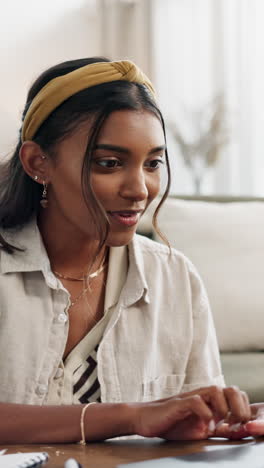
point(125, 174)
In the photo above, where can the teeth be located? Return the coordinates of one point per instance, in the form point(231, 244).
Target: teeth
point(127, 215)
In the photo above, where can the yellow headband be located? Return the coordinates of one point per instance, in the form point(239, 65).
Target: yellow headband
point(61, 88)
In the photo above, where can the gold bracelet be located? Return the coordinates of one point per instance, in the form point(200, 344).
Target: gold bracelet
point(83, 440)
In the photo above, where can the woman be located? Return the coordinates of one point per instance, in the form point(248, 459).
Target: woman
point(89, 311)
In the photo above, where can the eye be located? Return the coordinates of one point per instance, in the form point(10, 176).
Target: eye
point(107, 163)
point(154, 164)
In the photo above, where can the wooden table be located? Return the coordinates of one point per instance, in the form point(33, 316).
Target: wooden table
point(110, 454)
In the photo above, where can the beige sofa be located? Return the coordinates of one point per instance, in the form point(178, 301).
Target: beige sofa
point(224, 238)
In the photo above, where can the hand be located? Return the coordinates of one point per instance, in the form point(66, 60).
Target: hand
point(255, 427)
point(192, 415)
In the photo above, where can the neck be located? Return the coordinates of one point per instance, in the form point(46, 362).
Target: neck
point(69, 250)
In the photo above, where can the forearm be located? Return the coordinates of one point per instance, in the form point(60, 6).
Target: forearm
point(61, 424)
point(182, 417)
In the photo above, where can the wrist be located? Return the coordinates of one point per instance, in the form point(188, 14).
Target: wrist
point(132, 418)
point(136, 417)
point(107, 420)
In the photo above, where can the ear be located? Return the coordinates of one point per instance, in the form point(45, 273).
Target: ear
point(35, 163)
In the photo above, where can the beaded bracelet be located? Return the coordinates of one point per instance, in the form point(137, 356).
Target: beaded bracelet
point(83, 440)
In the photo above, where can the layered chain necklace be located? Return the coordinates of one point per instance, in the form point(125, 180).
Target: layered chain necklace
point(85, 279)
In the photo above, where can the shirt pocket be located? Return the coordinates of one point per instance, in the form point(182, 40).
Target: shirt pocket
point(163, 386)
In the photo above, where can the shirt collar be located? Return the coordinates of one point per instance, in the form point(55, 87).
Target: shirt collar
point(34, 258)
point(136, 287)
point(117, 274)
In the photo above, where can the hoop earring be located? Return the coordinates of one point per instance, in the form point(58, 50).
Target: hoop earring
point(44, 202)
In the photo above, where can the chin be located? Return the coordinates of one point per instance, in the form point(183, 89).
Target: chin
point(119, 239)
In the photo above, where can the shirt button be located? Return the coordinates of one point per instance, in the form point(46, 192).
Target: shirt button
point(42, 389)
point(62, 318)
point(59, 373)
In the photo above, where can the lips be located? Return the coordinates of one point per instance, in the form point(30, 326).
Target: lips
point(125, 218)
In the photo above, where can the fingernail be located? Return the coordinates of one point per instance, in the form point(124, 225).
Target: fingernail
point(235, 427)
point(220, 423)
point(211, 426)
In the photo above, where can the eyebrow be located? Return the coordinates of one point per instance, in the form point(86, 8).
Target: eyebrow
point(121, 149)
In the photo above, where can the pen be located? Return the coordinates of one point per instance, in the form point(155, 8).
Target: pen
point(72, 463)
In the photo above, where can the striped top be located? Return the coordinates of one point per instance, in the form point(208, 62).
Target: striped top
point(75, 381)
point(87, 387)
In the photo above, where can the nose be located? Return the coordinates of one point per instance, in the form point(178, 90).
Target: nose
point(134, 187)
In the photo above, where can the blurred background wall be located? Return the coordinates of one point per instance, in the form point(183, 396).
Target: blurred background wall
point(33, 36)
point(205, 58)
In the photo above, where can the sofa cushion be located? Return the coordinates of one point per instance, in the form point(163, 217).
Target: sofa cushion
point(225, 241)
point(246, 371)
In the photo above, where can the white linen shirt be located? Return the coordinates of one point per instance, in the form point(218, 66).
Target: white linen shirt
point(160, 339)
point(62, 388)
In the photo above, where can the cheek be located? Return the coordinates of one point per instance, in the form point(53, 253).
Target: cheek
point(153, 185)
point(68, 190)
point(104, 187)
point(107, 188)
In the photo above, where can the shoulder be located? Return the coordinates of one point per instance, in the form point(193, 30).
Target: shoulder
point(168, 263)
point(31, 255)
point(170, 277)
point(160, 253)
point(168, 266)
point(19, 236)
point(172, 273)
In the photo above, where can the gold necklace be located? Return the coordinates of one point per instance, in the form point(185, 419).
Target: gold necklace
point(81, 278)
point(84, 291)
point(84, 279)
